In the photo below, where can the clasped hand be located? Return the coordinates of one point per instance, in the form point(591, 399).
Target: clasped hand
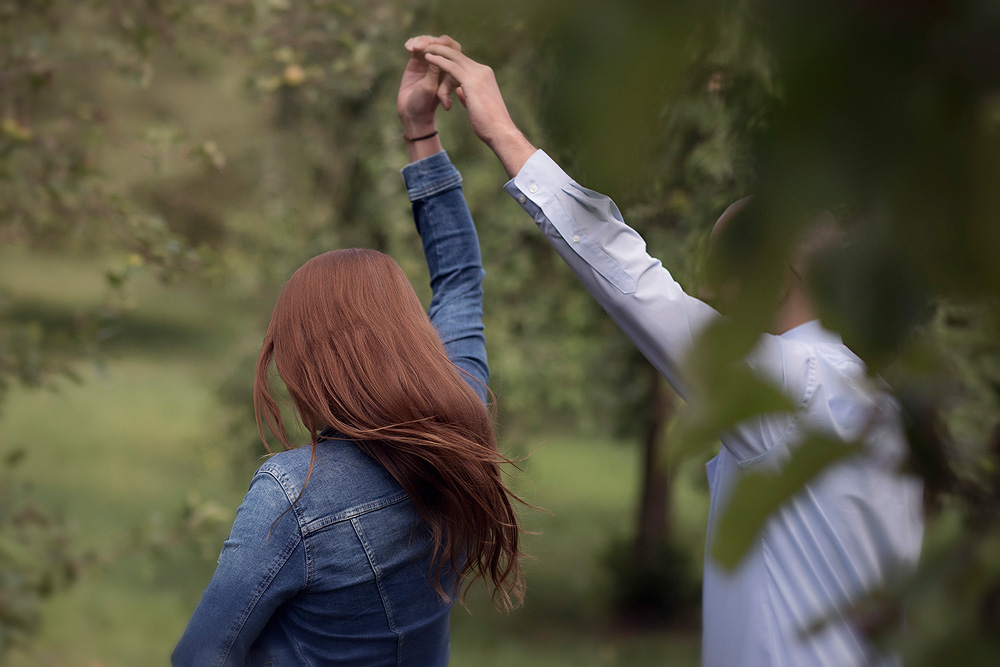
point(437, 67)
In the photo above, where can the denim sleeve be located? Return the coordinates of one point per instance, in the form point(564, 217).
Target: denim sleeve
point(261, 566)
point(453, 260)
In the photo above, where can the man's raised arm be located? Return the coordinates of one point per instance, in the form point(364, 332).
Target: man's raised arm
point(585, 228)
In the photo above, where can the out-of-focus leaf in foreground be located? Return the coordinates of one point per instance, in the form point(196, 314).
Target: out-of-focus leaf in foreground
point(757, 495)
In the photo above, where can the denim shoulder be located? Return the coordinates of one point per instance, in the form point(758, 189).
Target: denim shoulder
point(289, 468)
point(343, 479)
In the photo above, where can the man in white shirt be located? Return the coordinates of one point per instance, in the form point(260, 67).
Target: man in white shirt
point(851, 529)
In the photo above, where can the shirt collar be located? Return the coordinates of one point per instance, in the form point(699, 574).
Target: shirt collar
point(813, 332)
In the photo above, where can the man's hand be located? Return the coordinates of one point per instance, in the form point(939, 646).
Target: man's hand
point(479, 92)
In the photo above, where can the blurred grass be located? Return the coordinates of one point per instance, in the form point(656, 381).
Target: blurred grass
point(119, 455)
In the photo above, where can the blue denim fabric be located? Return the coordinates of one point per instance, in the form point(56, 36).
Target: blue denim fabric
point(341, 578)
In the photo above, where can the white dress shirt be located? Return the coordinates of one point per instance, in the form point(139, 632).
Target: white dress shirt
point(853, 527)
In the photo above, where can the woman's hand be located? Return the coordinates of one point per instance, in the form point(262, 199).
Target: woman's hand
point(421, 89)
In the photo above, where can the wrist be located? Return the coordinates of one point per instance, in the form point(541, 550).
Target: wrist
point(506, 134)
point(512, 148)
point(423, 137)
point(425, 147)
point(417, 127)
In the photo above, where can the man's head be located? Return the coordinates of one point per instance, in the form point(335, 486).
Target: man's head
point(746, 262)
point(722, 286)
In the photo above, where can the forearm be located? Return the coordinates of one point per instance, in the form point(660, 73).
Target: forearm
point(418, 150)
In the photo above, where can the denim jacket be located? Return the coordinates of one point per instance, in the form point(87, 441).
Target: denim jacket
point(341, 578)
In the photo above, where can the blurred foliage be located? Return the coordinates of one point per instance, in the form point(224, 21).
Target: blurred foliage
point(37, 558)
point(886, 111)
point(56, 196)
point(892, 107)
point(53, 192)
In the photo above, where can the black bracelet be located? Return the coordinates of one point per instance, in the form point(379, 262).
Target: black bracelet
point(426, 136)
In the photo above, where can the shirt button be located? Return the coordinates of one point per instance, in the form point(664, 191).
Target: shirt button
point(576, 239)
point(522, 199)
point(533, 189)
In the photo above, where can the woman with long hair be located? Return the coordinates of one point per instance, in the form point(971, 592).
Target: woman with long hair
point(353, 549)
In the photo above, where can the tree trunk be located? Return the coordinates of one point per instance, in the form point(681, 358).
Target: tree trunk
point(654, 507)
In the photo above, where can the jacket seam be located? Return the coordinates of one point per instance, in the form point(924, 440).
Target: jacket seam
point(299, 521)
point(264, 584)
point(377, 573)
point(353, 513)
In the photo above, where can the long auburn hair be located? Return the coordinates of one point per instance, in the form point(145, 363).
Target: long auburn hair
point(358, 354)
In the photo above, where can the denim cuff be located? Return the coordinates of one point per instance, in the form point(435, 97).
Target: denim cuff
point(430, 176)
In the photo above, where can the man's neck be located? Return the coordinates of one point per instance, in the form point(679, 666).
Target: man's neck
point(795, 310)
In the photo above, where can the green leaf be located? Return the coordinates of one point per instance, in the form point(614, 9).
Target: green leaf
point(758, 495)
point(740, 396)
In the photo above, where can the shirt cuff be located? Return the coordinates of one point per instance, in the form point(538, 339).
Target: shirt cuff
point(538, 181)
point(430, 176)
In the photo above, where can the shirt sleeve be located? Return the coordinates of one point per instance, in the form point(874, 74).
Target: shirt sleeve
point(261, 566)
point(454, 263)
point(610, 259)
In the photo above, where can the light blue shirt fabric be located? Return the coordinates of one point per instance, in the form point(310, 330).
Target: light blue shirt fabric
point(852, 528)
